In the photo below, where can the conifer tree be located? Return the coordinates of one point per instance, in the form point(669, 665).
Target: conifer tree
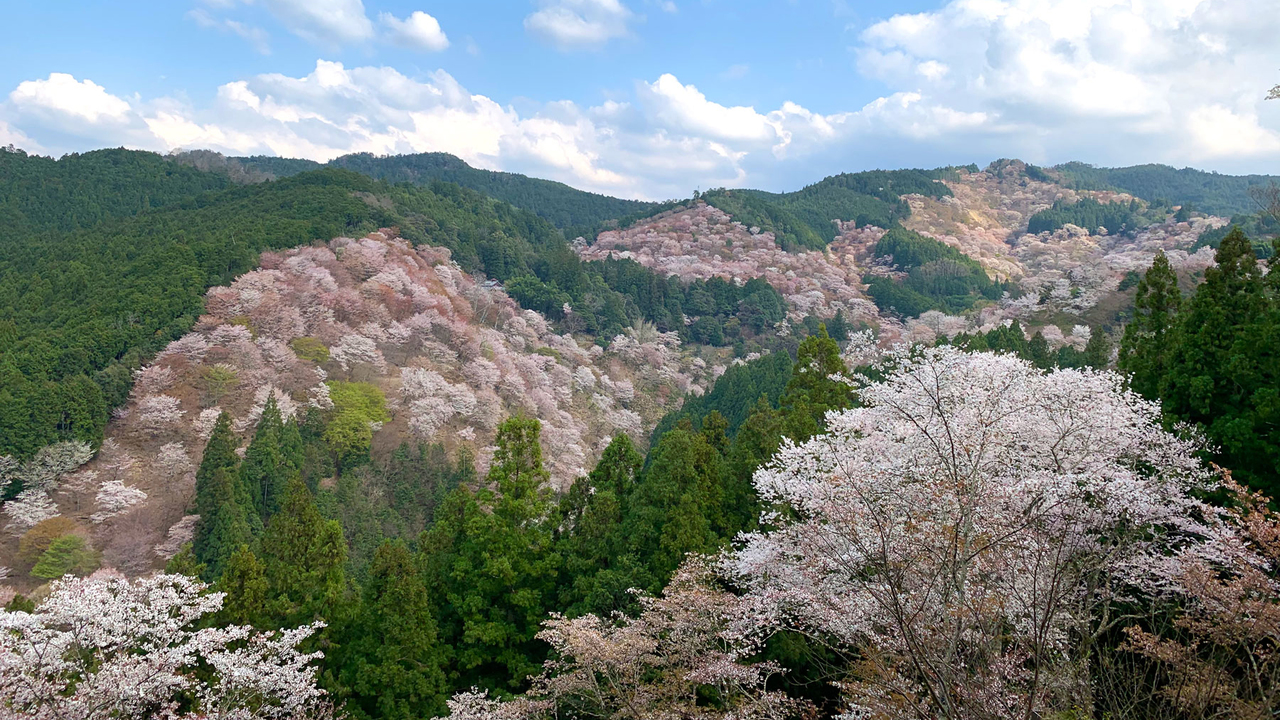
point(593, 544)
point(392, 663)
point(1038, 350)
point(222, 527)
point(303, 556)
point(491, 554)
point(1097, 352)
point(811, 392)
point(244, 580)
point(271, 460)
point(1145, 346)
point(1223, 371)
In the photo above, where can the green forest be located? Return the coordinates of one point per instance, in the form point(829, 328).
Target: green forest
point(1209, 192)
point(937, 276)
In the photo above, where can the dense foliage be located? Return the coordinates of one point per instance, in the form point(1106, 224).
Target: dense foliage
point(866, 198)
point(1210, 357)
point(1206, 191)
point(569, 209)
point(932, 276)
point(1088, 214)
point(103, 282)
point(1260, 229)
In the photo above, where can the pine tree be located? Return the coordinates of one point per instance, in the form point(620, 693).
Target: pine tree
point(1145, 346)
point(1097, 353)
point(811, 392)
point(271, 460)
point(303, 556)
point(593, 542)
point(1038, 351)
point(392, 663)
point(1223, 369)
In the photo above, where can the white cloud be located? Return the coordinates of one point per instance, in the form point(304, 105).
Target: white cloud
point(419, 31)
point(1106, 81)
point(257, 37)
point(62, 94)
point(1112, 81)
point(579, 24)
point(324, 22)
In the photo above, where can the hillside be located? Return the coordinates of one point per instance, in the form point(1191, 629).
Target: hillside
point(447, 355)
point(1208, 192)
point(572, 210)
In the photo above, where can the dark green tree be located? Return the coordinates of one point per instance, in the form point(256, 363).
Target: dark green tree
point(812, 392)
point(244, 580)
point(222, 528)
point(1147, 341)
point(273, 458)
point(491, 555)
point(303, 556)
point(1097, 352)
point(392, 665)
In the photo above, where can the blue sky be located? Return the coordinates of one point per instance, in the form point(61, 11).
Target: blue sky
point(653, 98)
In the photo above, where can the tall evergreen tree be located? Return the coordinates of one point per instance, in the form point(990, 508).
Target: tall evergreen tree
point(392, 663)
point(598, 571)
point(811, 392)
point(1146, 344)
point(1097, 352)
point(1223, 371)
point(303, 556)
point(244, 580)
point(491, 554)
point(274, 457)
point(222, 528)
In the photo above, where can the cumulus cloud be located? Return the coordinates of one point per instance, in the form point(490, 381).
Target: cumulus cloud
point(419, 31)
point(579, 24)
point(255, 36)
point(62, 95)
point(1106, 80)
point(1112, 82)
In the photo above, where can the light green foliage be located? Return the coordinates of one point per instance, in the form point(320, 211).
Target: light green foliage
point(244, 580)
point(356, 407)
point(309, 348)
point(68, 554)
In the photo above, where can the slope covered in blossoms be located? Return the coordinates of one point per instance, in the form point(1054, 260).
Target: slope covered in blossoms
point(700, 241)
point(453, 356)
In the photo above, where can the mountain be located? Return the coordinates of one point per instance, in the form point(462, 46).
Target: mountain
point(570, 209)
point(1208, 192)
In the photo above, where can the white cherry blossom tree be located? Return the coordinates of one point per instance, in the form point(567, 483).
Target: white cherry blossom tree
point(964, 530)
point(106, 647)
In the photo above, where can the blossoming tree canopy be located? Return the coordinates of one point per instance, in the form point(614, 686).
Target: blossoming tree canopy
point(955, 526)
point(109, 647)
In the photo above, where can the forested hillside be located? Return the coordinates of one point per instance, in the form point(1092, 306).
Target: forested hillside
point(902, 445)
point(574, 211)
point(1204, 191)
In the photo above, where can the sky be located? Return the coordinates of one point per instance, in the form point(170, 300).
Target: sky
point(654, 99)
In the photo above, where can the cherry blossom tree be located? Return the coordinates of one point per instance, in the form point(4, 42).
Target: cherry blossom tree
point(105, 647)
point(965, 528)
point(651, 666)
point(114, 498)
point(158, 413)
